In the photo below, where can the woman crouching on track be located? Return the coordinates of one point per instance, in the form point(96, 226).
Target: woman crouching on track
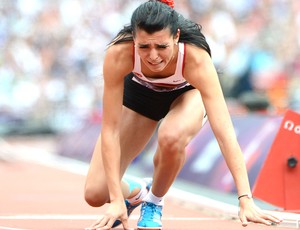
point(158, 70)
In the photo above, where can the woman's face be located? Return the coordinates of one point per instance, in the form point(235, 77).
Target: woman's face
point(156, 50)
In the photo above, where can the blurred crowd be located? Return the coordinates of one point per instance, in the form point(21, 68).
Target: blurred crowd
point(52, 53)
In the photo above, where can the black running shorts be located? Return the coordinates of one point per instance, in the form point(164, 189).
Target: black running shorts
point(147, 102)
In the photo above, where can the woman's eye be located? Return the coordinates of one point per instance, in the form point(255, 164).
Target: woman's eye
point(158, 47)
point(143, 47)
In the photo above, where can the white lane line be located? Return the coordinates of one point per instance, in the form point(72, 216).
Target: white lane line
point(8, 228)
point(93, 217)
point(49, 217)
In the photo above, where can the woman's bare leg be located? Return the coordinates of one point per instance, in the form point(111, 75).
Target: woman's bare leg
point(136, 130)
point(175, 132)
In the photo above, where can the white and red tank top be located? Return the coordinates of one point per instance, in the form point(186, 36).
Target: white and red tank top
point(173, 82)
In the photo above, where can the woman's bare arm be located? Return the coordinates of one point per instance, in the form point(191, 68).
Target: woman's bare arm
point(201, 73)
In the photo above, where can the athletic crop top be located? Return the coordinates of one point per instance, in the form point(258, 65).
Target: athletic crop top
point(173, 82)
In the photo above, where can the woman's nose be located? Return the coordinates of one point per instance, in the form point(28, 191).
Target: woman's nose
point(153, 54)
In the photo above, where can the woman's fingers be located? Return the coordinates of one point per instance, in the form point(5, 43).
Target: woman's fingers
point(105, 222)
point(255, 215)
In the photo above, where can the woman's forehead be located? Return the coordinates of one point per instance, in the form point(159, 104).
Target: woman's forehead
point(160, 36)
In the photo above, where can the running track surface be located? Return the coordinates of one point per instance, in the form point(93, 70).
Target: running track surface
point(40, 197)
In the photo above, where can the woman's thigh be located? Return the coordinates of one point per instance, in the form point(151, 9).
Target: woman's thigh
point(185, 118)
point(135, 132)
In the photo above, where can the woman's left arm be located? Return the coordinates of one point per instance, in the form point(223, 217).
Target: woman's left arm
point(201, 73)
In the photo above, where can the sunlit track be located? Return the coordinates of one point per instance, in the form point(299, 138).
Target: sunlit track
point(63, 206)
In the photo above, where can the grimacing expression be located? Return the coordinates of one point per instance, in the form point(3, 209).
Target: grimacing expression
point(157, 49)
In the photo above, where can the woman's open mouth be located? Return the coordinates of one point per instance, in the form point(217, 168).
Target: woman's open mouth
point(155, 63)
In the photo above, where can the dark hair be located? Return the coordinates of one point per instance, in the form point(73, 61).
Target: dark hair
point(153, 16)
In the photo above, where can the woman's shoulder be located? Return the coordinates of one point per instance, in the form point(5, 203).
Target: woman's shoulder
point(120, 55)
point(198, 66)
point(194, 53)
point(122, 51)
point(119, 58)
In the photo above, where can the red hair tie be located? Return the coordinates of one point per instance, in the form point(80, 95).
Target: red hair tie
point(170, 3)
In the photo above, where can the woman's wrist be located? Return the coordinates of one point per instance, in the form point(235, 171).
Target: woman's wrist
point(245, 200)
point(246, 195)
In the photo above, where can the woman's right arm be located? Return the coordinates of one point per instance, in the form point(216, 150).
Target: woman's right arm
point(117, 64)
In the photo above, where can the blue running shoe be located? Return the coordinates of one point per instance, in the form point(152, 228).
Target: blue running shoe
point(150, 216)
point(131, 207)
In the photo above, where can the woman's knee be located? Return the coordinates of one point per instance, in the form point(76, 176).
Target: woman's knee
point(172, 141)
point(95, 196)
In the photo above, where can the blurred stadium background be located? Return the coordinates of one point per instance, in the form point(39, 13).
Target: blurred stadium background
point(52, 53)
